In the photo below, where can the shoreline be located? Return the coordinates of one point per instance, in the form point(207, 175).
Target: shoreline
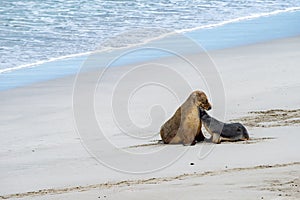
point(234, 33)
point(41, 147)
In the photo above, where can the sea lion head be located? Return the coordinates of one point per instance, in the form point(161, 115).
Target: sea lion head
point(200, 100)
point(242, 131)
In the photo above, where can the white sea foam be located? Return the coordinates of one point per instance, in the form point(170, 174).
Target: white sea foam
point(35, 64)
point(30, 65)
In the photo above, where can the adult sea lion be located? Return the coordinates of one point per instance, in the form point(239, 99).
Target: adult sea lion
point(185, 125)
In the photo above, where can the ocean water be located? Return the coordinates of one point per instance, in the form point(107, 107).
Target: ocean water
point(41, 40)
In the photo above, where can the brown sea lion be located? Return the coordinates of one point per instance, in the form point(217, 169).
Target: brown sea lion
point(185, 125)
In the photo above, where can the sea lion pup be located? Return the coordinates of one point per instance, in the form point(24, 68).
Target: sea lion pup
point(223, 131)
point(185, 125)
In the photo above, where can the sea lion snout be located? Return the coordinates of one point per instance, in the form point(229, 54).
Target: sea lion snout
point(209, 107)
point(243, 131)
point(206, 105)
point(246, 136)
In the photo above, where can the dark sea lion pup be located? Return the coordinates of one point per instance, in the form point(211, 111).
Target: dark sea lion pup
point(222, 131)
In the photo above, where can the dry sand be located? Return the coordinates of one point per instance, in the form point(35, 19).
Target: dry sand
point(260, 182)
point(42, 157)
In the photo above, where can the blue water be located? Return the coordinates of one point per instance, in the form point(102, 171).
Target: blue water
point(249, 31)
point(33, 31)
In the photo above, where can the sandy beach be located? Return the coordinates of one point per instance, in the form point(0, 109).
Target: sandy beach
point(42, 156)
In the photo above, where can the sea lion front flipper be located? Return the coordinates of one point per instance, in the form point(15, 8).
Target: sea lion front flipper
point(216, 138)
point(175, 140)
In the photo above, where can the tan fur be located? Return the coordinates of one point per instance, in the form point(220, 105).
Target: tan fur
point(185, 125)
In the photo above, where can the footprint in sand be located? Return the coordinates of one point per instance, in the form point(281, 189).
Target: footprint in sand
point(271, 118)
